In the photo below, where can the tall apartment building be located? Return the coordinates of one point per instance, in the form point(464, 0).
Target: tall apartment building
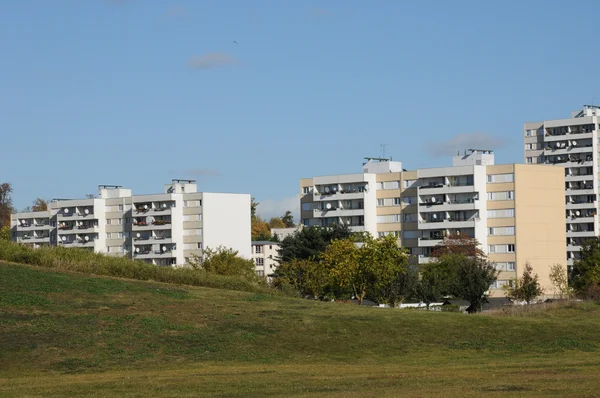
point(515, 211)
point(573, 145)
point(162, 229)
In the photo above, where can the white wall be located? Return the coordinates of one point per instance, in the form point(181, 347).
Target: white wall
point(177, 228)
point(226, 222)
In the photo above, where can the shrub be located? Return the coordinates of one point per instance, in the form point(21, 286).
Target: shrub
point(84, 261)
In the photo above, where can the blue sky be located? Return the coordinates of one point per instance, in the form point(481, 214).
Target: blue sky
point(159, 90)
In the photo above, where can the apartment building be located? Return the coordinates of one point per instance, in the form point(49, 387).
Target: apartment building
point(264, 255)
point(515, 211)
point(571, 144)
point(162, 229)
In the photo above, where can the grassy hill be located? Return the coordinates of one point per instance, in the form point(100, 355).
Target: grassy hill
point(71, 334)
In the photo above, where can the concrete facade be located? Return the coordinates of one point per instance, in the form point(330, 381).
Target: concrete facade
point(162, 229)
point(514, 211)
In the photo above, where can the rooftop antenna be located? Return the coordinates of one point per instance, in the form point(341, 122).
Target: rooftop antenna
point(383, 146)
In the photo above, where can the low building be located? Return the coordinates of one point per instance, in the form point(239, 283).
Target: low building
point(282, 233)
point(162, 229)
point(264, 254)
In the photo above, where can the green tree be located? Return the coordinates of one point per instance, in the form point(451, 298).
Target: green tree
point(308, 277)
point(276, 222)
point(367, 268)
point(560, 282)
point(430, 284)
point(586, 271)
point(310, 242)
point(472, 279)
point(527, 288)
point(6, 205)
point(288, 219)
point(5, 233)
point(399, 289)
point(253, 207)
point(39, 205)
point(223, 261)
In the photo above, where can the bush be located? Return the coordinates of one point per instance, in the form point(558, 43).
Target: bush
point(591, 292)
point(450, 308)
point(84, 261)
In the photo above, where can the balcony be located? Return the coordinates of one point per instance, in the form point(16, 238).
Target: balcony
point(588, 190)
point(422, 259)
point(147, 209)
point(448, 223)
point(87, 228)
point(581, 234)
point(580, 204)
point(580, 177)
point(571, 135)
point(429, 242)
point(338, 212)
point(340, 195)
point(471, 204)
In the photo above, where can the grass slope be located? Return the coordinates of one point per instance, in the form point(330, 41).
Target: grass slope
point(69, 334)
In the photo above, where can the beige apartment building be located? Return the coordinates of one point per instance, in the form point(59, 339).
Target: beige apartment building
point(516, 212)
point(571, 144)
point(162, 229)
point(264, 255)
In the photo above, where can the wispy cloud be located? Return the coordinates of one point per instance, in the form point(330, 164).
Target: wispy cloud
point(177, 11)
point(318, 12)
point(203, 172)
point(211, 61)
point(464, 141)
point(268, 208)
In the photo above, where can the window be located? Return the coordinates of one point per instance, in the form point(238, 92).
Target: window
point(119, 235)
point(381, 234)
point(260, 262)
point(379, 202)
point(501, 213)
point(258, 249)
point(390, 218)
point(305, 190)
point(397, 201)
point(502, 195)
point(410, 217)
point(500, 177)
point(409, 200)
point(108, 221)
point(391, 185)
point(260, 272)
point(192, 232)
point(505, 266)
point(409, 183)
point(410, 234)
point(529, 160)
point(501, 231)
point(501, 248)
point(120, 207)
point(128, 220)
point(307, 206)
point(108, 235)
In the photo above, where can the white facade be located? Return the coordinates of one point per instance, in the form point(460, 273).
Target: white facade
point(264, 255)
point(162, 229)
point(572, 144)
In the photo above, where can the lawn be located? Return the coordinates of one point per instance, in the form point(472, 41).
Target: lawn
point(67, 334)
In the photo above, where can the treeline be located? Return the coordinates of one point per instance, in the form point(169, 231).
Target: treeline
point(334, 263)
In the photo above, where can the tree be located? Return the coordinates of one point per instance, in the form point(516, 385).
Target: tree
point(223, 261)
point(90, 196)
point(310, 242)
point(586, 271)
point(288, 219)
point(6, 205)
point(527, 288)
point(276, 222)
point(5, 233)
point(366, 268)
point(398, 289)
point(430, 285)
point(458, 244)
point(260, 230)
point(308, 277)
point(560, 282)
point(253, 207)
point(473, 278)
point(39, 205)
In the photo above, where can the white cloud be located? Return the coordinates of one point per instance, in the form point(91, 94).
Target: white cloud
point(211, 60)
point(463, 141)
point(268, 208)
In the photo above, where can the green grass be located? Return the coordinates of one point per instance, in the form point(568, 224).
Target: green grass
point(68, 334)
